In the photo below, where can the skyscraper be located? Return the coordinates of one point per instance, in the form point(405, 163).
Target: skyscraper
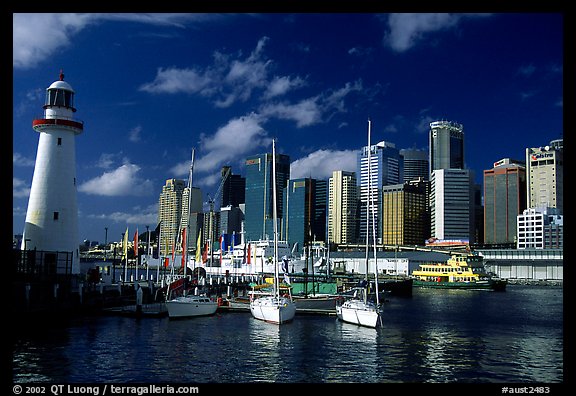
point(446, 145)
point(404, 214)
point(51, 225)
point(233, 189)
point(452, 205)
point(258, 208)
point(415, 164)
point(342, 208)
point(544, 171)
point(174, 215)
point(386, 168)
point(504, 200)
point(305, 212)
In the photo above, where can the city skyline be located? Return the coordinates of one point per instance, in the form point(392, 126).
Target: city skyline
point(150, 87)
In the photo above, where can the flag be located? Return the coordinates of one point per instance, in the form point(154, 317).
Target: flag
point(125, 243)
point(136, 243)
point(166, 262)
point(174, 247)
point(199, 246)
point(156, 253)
point(183, 247)
point(221, 247)
point(205, 253)
point(248, 255)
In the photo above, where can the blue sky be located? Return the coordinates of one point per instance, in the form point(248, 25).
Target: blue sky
point(150, 87)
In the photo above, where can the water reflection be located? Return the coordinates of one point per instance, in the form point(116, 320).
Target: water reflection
point(436, 336)
point(265, 338)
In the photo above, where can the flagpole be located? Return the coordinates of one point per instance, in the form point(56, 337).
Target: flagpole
point(136, 257)
point(147, 253)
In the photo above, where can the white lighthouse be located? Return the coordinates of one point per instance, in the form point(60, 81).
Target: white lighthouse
point(52, 217)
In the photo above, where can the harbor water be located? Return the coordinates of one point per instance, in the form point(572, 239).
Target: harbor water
point(435, 336)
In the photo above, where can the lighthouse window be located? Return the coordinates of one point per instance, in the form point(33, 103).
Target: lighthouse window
point(59, 97)
point(59, 141)
point(56, 215)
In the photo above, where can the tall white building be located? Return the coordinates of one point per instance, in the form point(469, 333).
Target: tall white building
point(174, 215)
point(544, 176)
point(386, 168)
point(342, 207)
point(51, 225)
point(452, 205)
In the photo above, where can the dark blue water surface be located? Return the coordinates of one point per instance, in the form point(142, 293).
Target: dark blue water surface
point(437, 336)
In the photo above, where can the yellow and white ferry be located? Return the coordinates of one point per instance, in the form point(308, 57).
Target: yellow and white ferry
point(459, 272)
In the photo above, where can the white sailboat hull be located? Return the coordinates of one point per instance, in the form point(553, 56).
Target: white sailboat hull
point(358, 312)
point(273, 309)
point(190, 306)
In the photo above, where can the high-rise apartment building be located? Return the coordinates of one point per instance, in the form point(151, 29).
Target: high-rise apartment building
point(342, 208)
point(446, 145)
point(174, 214)
point(386, 168)
point(504, 200)
point(304, 211)
point(544, 173)
point(258, 222)
point(415, 165)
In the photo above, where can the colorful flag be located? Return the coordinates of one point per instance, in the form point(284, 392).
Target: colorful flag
point(199, 246)
point(136, 243)
point(205, 253)
point(248, 255)
point(183, 247)
point(221, 247)
point(125, 243)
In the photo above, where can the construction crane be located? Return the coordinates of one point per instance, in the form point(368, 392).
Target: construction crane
point(211, 200)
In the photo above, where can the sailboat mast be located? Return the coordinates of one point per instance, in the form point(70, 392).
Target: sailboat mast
point(274, 217)
point(368, 209)
point(374, 235)
point(185, 253)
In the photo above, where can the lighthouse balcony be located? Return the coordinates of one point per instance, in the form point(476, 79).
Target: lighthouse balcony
point(47, 123)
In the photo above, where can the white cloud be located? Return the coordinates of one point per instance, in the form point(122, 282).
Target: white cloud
point(36, 36)
point(19, 188)
point(238, 138)
point(122, 181)
point(304, 113)
point(321, 163)
point(19, 160)
point(311, 111)
point(148, 215)
point(406, 29)
point(134, 134)
point(282, 85)
point(173, 80)
point(227, 80)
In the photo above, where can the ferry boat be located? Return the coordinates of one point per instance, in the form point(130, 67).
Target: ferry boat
point(459, 272)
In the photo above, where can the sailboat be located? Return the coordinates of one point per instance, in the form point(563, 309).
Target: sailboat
point(185, 306)
point(359, 310)
point(274, 308)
